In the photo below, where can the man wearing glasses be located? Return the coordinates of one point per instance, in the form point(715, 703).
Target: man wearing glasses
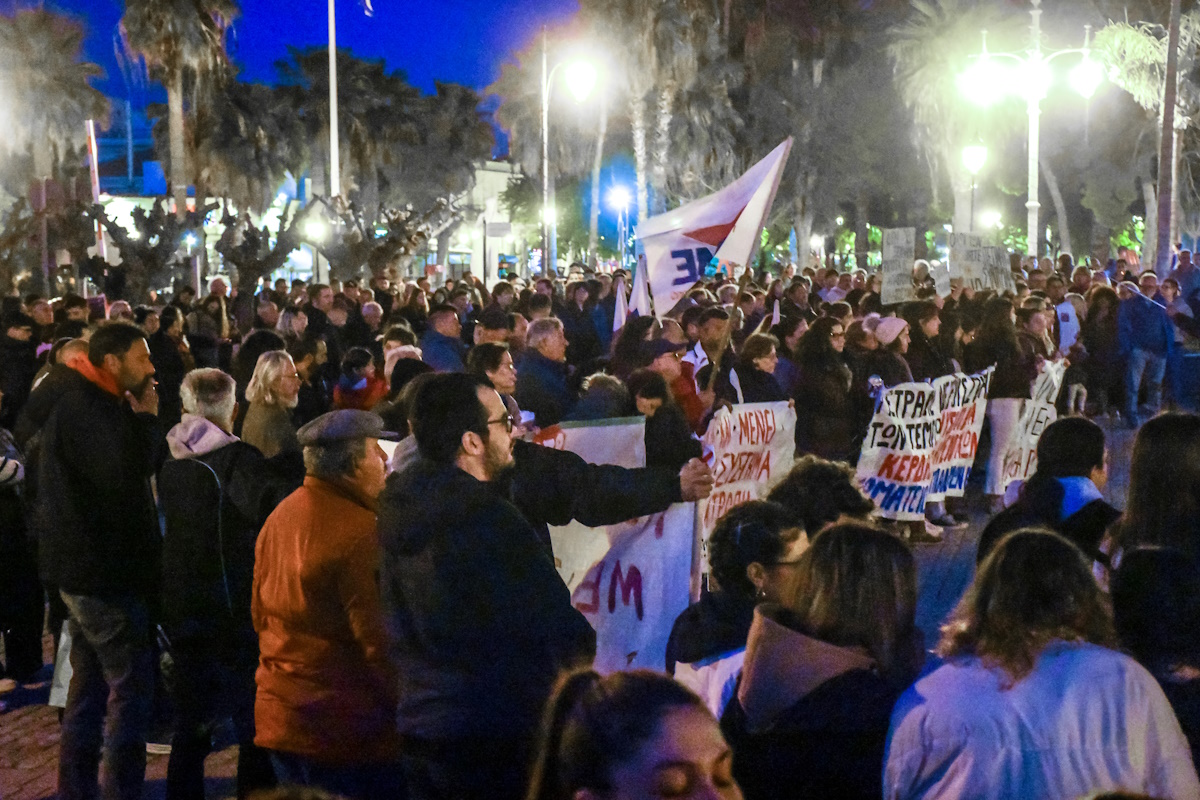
point(480, 620)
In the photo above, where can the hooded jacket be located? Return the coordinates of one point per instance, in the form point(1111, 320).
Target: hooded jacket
point(810, 718)
point(207, 572)
point(707, 646)
point(480, 621)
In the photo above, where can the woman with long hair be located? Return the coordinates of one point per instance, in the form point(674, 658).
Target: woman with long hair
point(1104, 365)
point(925, 356)
point(627, 347)
point(788, 332)
point(825, 421)
point(273, 391)
point(1034, 701)
point(823, 669)
point(635, 734)
point(752, 379)
point(996, 345)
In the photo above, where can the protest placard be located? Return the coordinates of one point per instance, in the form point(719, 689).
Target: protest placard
point(966, 258)
point(899, 251)
point(997, 271)
point(962, 406)
point(895, 467)
point(941, 278)
point(1020, 456)
point(749, 448)
point(630, 580)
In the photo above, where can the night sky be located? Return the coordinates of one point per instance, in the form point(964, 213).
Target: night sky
point(463, 41)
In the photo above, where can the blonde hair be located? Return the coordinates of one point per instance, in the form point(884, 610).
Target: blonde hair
point(271, 366)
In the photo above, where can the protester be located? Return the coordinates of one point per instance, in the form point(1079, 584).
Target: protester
point(442, 347)
point(752, 555)
point(712, 345)
point(542, 386)
point(751, 378)
point(172, 359)
point(314, 397)
point(601, 396)
point(1064, 494)
point(825, 418)
point(630, 734)
point(21, 602)
point(816, 493)
point(217, 492)
point(1146, 336)
point(669, 441)
point(99, 544)
point(788, 332)
point(823, 669)
point(888, 361)
point(326, 690)
point(1101, 340)
point(1032, 702)
point(475, 666)
point(359, 387)
point(18, 366)
point(272, 393)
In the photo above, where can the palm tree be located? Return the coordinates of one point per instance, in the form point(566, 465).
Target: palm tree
point(179, 39)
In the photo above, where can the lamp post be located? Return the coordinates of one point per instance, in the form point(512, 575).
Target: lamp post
point(619, 199)
point(986, 78)
point(581, 79)
point(974, 156)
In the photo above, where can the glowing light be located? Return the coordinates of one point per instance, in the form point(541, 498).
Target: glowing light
point(316, 229)
point(840, 221)
point(1035, 78)
point(991, 219)
point(619, 198)
point(985, 81)
point(281, 198)
point(974, 156)
point(134, 235)
point(549, 215)
point(816, 242)
point(1086, 77)
point(190, 239)
point(581, 77)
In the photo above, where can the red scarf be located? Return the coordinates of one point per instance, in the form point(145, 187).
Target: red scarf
point(79, 362)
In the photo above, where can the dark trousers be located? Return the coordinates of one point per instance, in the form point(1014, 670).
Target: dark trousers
point(22, 606)
point(110, 700)
point(357, 782)
point(467, 769)
point(213, 678)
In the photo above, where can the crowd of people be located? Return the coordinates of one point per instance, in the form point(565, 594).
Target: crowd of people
point(198, 490)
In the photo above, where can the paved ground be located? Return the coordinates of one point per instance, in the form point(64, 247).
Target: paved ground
point(29, 729)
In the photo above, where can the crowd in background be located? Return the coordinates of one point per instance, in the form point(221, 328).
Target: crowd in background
point(202, 478)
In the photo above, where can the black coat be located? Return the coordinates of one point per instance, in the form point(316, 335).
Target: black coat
point(1039, 506)
point(480, 621)
point(542, 389)
point(826, 422)
point(207, 579)
point(926, 359)
point(757, 386)
point(669, 440)
point(18, 368)
point(95, 517)
point(169, 370)
point(718, 623)
point(1016, 367)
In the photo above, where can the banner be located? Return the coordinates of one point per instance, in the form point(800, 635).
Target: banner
point(749, 449)
point(630, 580)
point(962, 403)
point(1020, 456)
point(899, 252)
point(981, 266)
point(921, 443)
point(681, 243)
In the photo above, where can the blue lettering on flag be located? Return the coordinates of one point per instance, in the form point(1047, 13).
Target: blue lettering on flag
point(690, 264)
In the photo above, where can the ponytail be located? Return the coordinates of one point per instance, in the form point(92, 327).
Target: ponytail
point(568, 694)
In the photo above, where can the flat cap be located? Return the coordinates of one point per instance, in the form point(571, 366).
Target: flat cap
point(343, 426)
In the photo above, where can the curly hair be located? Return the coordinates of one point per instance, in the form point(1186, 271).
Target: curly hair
point(1035, 587)
point(818, 492)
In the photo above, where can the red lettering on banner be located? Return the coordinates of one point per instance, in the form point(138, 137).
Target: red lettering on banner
point(721, 501)
point(886, 468)
point(756, 427)
point(630, 583)
point(589, 585)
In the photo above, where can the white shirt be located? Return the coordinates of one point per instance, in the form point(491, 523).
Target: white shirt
point(1068, 325)
point(1087, 719)
point(713, 679)
point(697, 358)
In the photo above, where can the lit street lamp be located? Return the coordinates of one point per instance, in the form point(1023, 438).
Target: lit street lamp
point(987, 79)
point(974, 156)
point(581, 79)
point(619, 199)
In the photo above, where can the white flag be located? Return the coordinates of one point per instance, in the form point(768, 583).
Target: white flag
point(639, 302)
point(622, 309)
point(722, 228)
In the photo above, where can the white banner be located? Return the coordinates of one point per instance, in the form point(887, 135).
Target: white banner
point(630, 580)
point(899, 252)
point(749, 449)
point(980, 265)
point(962, 404)
point(681, 243)
point(1020, 455)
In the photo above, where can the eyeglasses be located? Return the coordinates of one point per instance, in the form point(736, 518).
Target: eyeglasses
point(507, 421)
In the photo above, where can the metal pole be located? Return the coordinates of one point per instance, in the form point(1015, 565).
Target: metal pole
point(971, 226)
point(1032, 205)
point(335, 187)
point(545, 155)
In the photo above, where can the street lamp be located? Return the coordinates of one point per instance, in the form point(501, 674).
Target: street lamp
point(619, 199)
point(974, 156)
point(987, 79)
point(581, 79)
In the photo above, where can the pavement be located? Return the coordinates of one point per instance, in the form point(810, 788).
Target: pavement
point(29, 729)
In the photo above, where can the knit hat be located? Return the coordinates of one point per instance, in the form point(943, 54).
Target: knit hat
point(888, 329)
point(870, 321)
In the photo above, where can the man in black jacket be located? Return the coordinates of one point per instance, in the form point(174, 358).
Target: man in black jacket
point(99, 543)
point(481, 622)
point(18, 366)
point(217, 492)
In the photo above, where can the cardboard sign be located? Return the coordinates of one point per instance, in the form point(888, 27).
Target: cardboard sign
point(899, 252)
point(962, 404)
point(1020, 456)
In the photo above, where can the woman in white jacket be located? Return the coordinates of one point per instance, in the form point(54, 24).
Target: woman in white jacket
point(1032, 702)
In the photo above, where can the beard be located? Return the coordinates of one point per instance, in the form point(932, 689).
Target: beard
point(498, 465)
point(138, 389)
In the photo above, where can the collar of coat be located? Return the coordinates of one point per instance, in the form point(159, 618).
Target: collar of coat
point(343, 488)
point(80, 363)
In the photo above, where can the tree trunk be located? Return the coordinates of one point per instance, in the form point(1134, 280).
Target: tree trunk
point(1176, 205)
point(443, 248)
point(726, 21)
point(662, 146)
point(594, 222)
point(1166, 157)
point(1060, 208)
point(179, 181)
point(1149, 246)
point(862, 236)
point(637, 115)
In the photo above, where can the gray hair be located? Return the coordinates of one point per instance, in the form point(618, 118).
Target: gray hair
point(271, 366)
point(209, 393)
point(542, 330)
point(335, 460)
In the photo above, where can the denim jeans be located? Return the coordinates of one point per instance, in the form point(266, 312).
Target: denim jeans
point(110, 700)
point(357, 782)
point(1142, 365)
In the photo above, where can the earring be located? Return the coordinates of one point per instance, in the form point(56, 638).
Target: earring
point(762, 594)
